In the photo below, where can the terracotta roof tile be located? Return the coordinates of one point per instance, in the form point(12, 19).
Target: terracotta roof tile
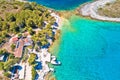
point(19, 49)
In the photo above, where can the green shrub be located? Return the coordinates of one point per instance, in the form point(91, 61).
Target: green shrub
point(1, 66)
point(7, 74)
point(15, 7)
point(32, 58)
point(13, 47)
point(34, 73)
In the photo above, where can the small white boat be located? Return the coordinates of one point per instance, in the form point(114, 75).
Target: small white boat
point(52, 69)
point(55, 61)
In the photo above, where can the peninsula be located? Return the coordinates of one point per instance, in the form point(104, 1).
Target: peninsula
point(27, 30)
point(107, 10)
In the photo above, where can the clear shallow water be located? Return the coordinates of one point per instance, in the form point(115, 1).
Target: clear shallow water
point(88, 49)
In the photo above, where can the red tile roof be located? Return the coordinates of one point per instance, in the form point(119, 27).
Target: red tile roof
point(14, 39)
point(26, 40)
point(19, 49)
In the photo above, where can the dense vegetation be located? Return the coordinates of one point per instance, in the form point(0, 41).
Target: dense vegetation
point(110, 10)
point(31, 61)
point(34, 73)
point(32, 58)
point(7, 65)
point(17, 17)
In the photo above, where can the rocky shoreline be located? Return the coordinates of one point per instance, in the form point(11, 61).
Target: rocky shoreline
point(90, 10)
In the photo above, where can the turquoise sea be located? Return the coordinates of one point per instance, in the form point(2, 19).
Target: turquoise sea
point(88, 49)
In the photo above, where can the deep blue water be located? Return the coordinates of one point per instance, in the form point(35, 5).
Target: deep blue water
point(61, 4)
point(88, 49)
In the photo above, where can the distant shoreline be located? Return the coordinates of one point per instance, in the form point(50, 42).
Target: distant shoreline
point(89, 9)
